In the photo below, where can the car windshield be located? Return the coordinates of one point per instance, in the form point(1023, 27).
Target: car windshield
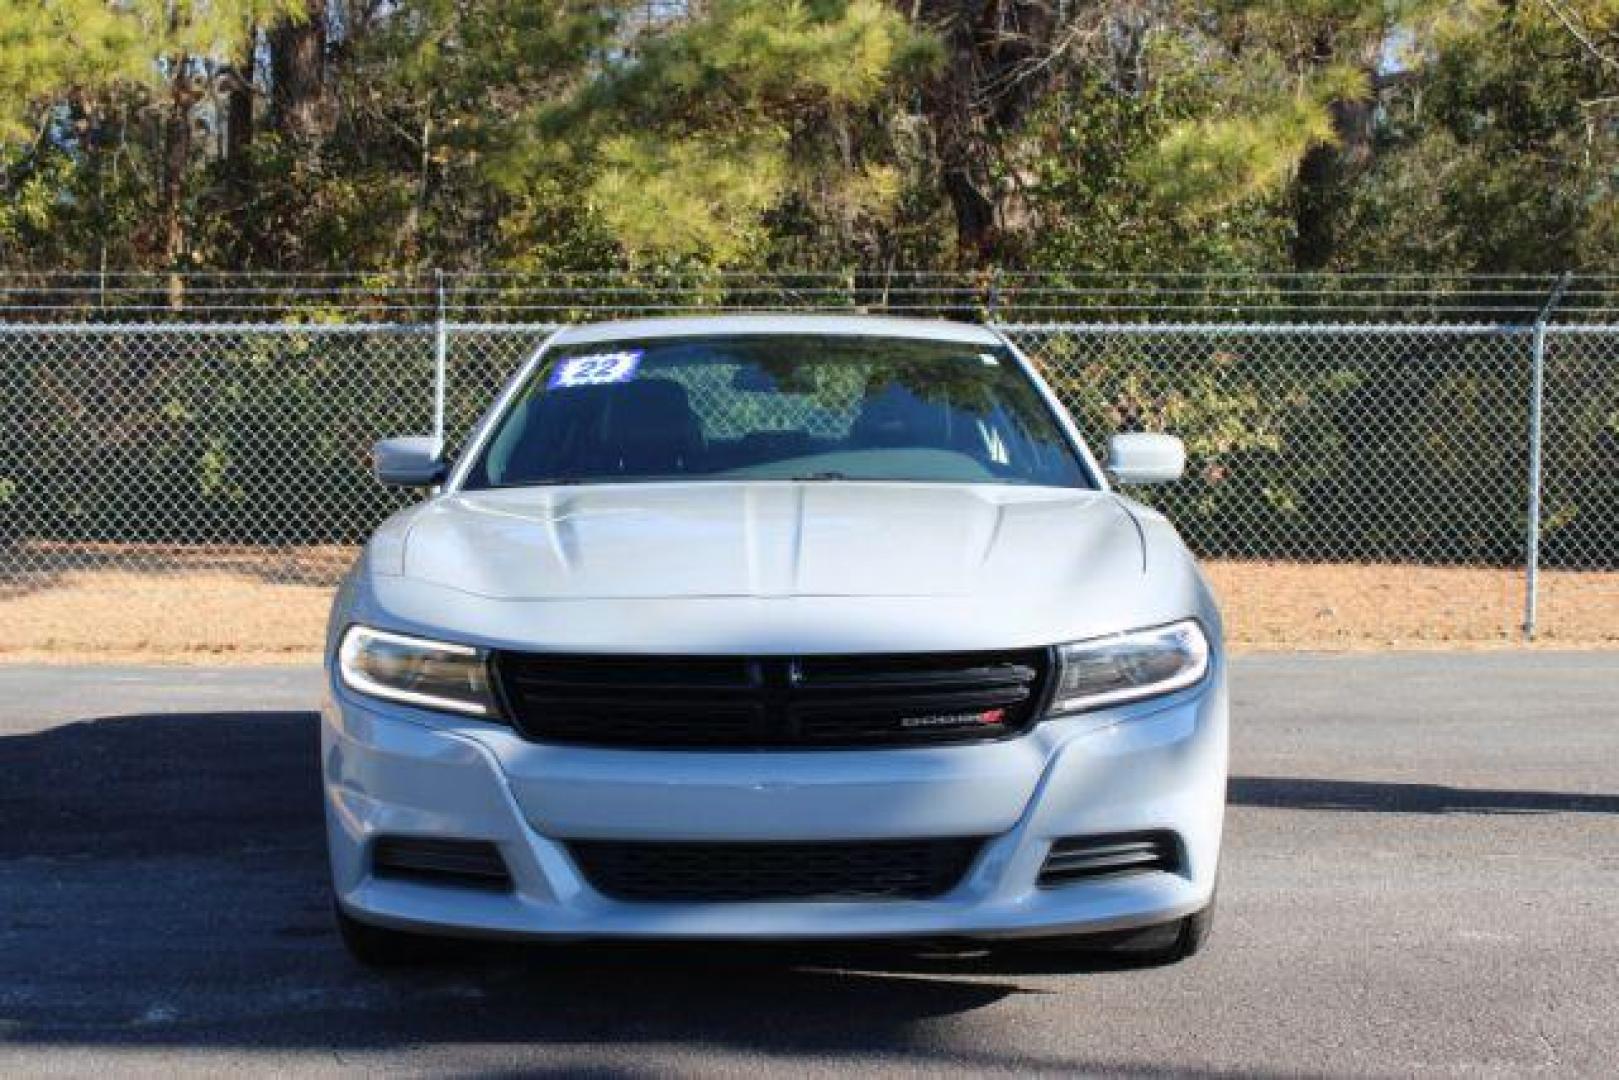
point(777, 407)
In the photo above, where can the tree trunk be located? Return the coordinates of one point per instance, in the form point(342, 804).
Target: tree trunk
point(298, 75)
point(963, 165)
point(1321, 189)
point(995, 70)
point(239, 109)
point(1316, 204)
point(176, 163)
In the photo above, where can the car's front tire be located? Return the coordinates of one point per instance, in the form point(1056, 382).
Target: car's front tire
point(1152, 946)
point(381, 947)
point(1195, 932)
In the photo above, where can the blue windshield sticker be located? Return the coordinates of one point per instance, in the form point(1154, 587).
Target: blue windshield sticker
point(596, 369)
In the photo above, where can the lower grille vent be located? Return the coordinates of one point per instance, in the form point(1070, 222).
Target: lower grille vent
point(1083, 858)
point(441, 861)
point(732, 873)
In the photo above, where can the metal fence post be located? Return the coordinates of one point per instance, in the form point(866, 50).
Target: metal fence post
point(441, 351)
point(1537, 394)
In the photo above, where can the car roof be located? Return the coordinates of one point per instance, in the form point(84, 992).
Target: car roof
point(722, 325)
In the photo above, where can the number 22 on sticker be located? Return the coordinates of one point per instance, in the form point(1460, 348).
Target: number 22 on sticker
point(596, 369)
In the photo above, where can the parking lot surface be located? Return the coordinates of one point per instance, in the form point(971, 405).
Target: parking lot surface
point(1422, 874)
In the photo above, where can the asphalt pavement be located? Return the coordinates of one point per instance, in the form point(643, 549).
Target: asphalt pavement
point(1421, 875)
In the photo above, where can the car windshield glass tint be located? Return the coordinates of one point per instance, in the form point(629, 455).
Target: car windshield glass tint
point(778, 407)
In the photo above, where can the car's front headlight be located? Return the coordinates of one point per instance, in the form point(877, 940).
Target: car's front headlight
point(1129, 667)
point(431, 674)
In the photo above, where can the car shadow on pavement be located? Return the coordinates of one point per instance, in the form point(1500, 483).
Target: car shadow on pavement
point(1294, 793)
point(163, 883)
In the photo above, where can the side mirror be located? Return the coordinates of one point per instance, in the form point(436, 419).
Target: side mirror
point(1145, 457)
point(412, 462)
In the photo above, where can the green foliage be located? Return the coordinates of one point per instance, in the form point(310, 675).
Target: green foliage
point(1504, 161)
point(183, 428)
point(689, 197)
point(585, 134)
point(1099, 186)
point(49, 45)
point(1212, 163)
point(1285, 432)
point(689, 141)
point(542, 134)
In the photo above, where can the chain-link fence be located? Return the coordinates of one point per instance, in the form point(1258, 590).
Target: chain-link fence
point(180, 487)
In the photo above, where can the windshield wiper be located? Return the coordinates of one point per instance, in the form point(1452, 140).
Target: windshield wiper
point(829, 475)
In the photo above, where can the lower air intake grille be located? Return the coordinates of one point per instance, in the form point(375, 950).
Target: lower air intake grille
point(720, 873)
point(1083, 858)
point(476, 863)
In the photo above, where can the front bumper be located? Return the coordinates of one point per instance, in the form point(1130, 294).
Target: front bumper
point(393, 770)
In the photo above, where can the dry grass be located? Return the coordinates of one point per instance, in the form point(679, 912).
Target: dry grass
point(222, 612)
point(211, 616)
point(1354, 606)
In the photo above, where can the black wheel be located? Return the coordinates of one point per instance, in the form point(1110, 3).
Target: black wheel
point(1195, 931)
point(380, 947)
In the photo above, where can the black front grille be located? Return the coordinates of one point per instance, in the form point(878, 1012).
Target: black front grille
point(1083, 858)
point(731, 873)
point(863, 700)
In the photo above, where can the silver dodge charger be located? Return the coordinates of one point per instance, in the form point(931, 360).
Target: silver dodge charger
point(776, 627)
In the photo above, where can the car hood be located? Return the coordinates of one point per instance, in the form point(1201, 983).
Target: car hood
point(768, 539)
